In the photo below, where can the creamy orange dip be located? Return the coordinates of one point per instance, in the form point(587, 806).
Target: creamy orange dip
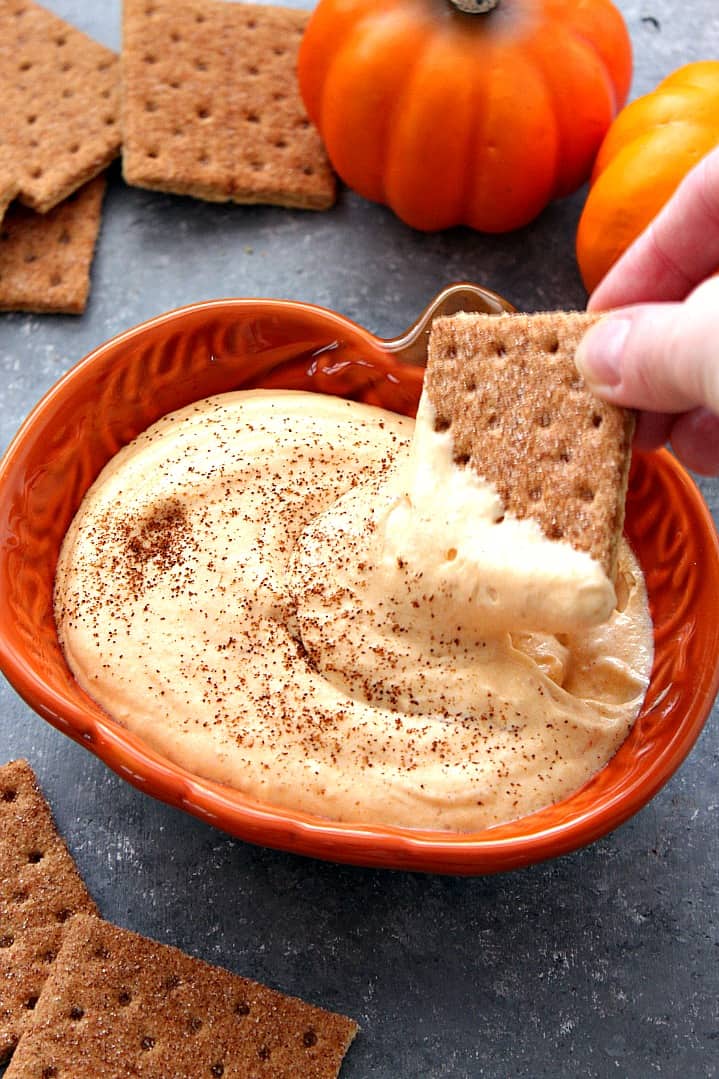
point(283, 593)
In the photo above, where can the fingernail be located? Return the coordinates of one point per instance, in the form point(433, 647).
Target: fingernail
point(599, 356)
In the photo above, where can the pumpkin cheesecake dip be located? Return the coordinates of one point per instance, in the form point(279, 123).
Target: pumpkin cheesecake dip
point(326, 606)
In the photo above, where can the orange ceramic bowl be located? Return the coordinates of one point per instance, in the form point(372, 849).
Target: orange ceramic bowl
point(126, 384)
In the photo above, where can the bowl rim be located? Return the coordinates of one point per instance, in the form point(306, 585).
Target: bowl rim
point(369, 845)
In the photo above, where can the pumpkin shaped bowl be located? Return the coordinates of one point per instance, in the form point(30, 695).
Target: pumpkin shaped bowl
point(124, 385)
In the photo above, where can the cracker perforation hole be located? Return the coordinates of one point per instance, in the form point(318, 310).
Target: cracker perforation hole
point(10, 794)
point(492, 419)
point(565, 457)
point(544, 419)
point(150, 106)
point(203, 112)
point(461, 460)
point(250, 24)
point(49, 956)
point(76, 1013)
point(442, 424)
point(264, 1052)
point(67, 93)
point(195, 1024)
point(308, 170)
point(63, 914)
point(597, 420)
point(147, 1043)
point(36, 173)
point(470, 386)
point(104, 65)
point(577, 383)
point(252, 118)
point(35, 856)
point(66, 66)
point(203, 159)
point(153, 154)
point(101, 952)
point(75, 148)
point(552, 346)
point(535, 493)
point(242, 1008)
point(55, 280)
point(309, 1038)
point(32, 119)
point(109, 121)
point(20, 896)
point(280, 144)
point(451, 554)
point(7, 941)
point(171, 982)
point(49, 1072)
point(25, 65)
point(30, 256)
point(217, 1069)
point(60, 40)
point(252, 70)
point(124, 997)
point(279, 51)
point(175, 36)
point(30, 1003)
point(257, 166)
point(199, 17)
point(586, 494)
point(499, 349)
point(278, 96)
point(555, 531)
point(149, 58)
point(200, 65)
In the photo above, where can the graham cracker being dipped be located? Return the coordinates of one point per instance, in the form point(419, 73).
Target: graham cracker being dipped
point(40, 891)
point(45, 259)
point(521, 416)
point(118, 1004)
point(59, 122)
point(211, 104)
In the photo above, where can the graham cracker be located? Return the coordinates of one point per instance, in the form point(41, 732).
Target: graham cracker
point(118, 1004)
point(40, 890)
point(45, 259)
point(59, 123)
point(521, 416)
point(211, 104)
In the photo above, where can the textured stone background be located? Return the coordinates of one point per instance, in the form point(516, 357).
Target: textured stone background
point(602, 963)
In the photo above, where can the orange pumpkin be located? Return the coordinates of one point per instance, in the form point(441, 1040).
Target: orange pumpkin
point(648, 150)
point(457, 118)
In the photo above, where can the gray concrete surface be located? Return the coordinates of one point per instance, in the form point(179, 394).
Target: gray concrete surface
point(600, 964)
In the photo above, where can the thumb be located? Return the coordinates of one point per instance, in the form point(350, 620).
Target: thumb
point(657, 357)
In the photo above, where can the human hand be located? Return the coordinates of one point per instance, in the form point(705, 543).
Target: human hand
point(659, 351)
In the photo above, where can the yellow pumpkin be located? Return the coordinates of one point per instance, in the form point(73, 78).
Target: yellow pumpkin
point(648, 150)
point(477, 116)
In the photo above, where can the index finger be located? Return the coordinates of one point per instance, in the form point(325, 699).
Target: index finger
point(678, 250)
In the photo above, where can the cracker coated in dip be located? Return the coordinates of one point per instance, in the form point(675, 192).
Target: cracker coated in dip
point(231, 590)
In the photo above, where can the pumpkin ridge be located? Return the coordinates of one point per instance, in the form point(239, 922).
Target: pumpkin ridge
point(391, 129)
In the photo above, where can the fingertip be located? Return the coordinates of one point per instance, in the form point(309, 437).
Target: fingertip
point(600, 353)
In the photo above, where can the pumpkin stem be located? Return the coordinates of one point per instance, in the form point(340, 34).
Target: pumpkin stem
point(475, 7)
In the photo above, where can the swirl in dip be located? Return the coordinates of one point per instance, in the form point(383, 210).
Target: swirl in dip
point(282, 592)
